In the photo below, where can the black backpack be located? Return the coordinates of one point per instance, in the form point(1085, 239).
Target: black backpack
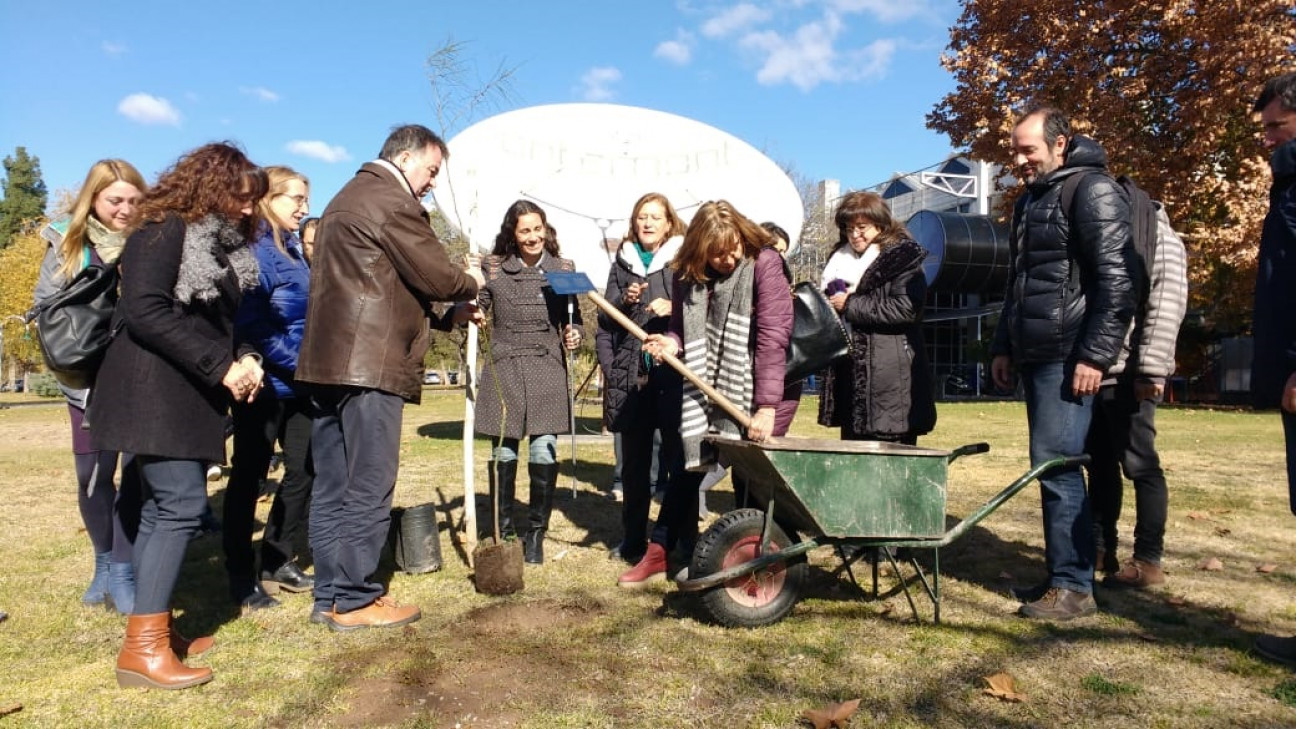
point(1148, 223)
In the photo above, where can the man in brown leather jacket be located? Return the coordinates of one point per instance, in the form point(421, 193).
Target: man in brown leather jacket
point(378, 268)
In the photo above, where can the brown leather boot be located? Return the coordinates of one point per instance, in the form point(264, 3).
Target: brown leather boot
point(147, 661)
point(185, 647)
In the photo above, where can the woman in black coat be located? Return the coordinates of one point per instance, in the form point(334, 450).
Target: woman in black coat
point(874, 279)
point(170, 374)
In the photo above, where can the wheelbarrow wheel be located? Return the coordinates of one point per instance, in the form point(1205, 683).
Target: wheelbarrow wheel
point(760, 598)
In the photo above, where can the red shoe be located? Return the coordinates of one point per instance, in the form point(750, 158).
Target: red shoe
point(652, 566)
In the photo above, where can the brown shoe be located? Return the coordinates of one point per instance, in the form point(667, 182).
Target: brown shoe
point(381, 613)
point(1060, 603)
point(1136, 574)
point(147, 661)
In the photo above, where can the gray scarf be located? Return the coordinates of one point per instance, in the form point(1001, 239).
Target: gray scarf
point(718, 348)
point(201, 269)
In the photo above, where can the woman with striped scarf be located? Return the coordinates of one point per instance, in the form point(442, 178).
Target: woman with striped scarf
point(732, 321)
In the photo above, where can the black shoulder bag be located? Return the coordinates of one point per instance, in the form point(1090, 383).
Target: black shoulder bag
point(818, 335)
point(74, 326)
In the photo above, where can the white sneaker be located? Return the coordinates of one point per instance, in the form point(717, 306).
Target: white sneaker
point(214, 472)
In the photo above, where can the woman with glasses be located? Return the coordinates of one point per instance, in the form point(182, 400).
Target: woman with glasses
point(874, 279)
point(169, 377)
point(272, 318)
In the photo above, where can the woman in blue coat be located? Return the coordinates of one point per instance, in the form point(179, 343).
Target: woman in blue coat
point(271, 318)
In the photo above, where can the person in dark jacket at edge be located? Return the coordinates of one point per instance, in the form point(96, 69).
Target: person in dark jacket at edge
point(1067, 307)
point(378, 268)
point(1273, 368)
point(875, 281)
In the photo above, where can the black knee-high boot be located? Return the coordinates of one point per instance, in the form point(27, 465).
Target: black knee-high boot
point(544, 478)
point(503, 475)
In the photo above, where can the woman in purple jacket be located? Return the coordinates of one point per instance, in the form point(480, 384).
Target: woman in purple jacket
point(733, 322)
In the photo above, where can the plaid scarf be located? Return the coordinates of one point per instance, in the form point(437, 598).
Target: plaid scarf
point(717, 348)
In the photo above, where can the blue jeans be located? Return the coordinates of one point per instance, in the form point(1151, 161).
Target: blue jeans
point(543, 450)
point(355, 442)
point(175, 494)
point(1059, 422)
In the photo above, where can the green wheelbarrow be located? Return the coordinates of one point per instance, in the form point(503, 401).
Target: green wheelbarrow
point(861, 497)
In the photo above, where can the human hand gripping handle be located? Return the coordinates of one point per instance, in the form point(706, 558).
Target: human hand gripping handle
point(571, 337)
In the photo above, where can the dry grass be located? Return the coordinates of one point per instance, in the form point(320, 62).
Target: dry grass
point(573, 650)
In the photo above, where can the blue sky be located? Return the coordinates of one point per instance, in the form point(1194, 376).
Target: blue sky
point(834, 88)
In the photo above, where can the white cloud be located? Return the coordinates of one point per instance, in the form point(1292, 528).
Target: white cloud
point(260, 92)
point(113, 49)
point(596, 83)
point(735, 19)
point(678, 51)
point(809, 57)
point(147, 109)
point(315, 149)
point(886, 11)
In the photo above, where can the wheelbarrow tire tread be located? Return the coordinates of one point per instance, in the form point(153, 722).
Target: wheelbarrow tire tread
point(781, 583)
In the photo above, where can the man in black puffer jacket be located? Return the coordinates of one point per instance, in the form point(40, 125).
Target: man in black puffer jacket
point(1068, 304)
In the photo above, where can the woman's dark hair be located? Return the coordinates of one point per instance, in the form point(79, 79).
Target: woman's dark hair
point(506, 242)
point(775, 230)
point(307, 224)
point(214, 178)
point(867, 207)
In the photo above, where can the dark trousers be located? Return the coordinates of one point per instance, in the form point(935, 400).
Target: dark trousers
point(257, 425)
point(289, 512)
point(656, 406)
point(1289, 435)
point(356, 447)
point(175, 494)
point(1122, 436)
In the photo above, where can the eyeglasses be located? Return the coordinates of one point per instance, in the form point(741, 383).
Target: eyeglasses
point(860, 228)
point(301, 200)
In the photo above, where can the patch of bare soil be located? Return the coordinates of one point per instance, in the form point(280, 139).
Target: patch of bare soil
point(483, 683)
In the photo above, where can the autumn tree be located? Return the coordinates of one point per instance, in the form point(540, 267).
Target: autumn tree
point(24, 194)
point(1166, 87)
point(19, 268)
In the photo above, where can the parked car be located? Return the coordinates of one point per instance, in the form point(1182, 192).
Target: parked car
point(431, 378)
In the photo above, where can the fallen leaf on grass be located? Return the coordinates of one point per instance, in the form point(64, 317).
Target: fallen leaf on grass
point(1196, 515)
point(832, 715)
point(1176, 600)
point(1223, 531)
point(1002, 686)
point(10, 709)
point(1210, 564)
point(1266, 568)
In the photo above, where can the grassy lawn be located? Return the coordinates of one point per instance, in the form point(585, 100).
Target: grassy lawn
point(574, 650)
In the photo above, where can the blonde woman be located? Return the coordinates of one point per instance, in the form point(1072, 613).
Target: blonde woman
point(272, 318)
point(95, 233)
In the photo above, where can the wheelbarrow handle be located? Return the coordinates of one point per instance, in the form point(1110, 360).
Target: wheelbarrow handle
point(970, 449)
point(741, 417)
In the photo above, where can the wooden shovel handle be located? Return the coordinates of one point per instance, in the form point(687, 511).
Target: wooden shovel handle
point(742, 418)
